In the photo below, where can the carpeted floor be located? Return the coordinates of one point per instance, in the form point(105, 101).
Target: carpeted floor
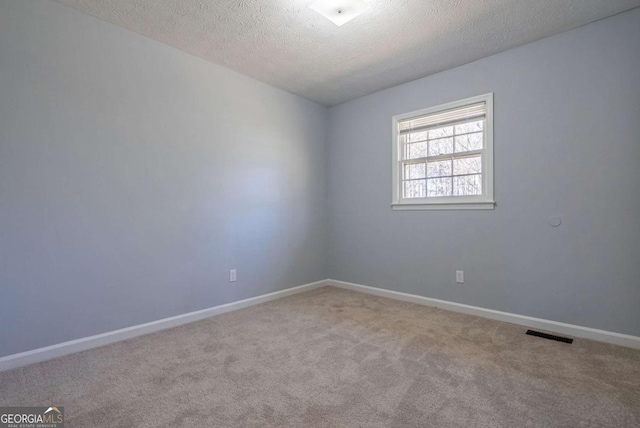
point(336, 358)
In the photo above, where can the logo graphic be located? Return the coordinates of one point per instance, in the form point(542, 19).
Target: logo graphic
point(32, 417)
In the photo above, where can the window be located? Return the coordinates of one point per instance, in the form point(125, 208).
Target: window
point(443, 156)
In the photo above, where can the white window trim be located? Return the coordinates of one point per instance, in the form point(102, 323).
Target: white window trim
point(483, 202)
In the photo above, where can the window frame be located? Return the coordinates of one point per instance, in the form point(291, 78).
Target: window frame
point(477, 202)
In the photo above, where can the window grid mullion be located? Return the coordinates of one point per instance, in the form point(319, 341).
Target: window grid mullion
point(426, 177)
point(460, 155)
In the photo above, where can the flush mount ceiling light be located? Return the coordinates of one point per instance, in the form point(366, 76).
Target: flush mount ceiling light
point(339, 11)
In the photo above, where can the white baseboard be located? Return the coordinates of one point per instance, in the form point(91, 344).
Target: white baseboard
point(42, 354)
point(531, 322)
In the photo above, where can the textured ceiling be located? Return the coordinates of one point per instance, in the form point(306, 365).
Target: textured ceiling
point(288, 45)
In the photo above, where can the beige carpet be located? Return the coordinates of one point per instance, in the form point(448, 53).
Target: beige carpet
point(335, 358)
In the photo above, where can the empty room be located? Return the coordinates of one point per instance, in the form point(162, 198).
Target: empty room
point(319, 213)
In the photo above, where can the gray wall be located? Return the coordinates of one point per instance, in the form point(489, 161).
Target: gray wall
point(567, 143)
point(134, 176)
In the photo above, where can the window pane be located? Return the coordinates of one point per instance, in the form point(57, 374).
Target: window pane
point(441, 132)
point(414, 170)
point(467, 185)
point(469, 142)
point(440, 147)
point(439, 187)
point(470, 165)
point(414, 189)
point(418, 136)
point(415, 150)
point(439, 169)
point(469, 127)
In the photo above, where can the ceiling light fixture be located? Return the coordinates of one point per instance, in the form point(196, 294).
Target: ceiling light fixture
point(339, 11)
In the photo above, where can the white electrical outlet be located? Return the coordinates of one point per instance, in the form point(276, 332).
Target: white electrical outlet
point(232, 275)
point(460, 276)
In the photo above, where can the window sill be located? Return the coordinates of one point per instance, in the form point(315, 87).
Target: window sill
point(443, 206)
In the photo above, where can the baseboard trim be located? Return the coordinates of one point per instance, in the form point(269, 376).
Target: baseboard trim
point(54, 351)
point(49, 352)
point(526, 321)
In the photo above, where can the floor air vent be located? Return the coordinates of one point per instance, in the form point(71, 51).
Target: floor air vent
point(549, 336)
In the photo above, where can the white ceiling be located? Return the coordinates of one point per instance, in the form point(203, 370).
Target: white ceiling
point(288, 45)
